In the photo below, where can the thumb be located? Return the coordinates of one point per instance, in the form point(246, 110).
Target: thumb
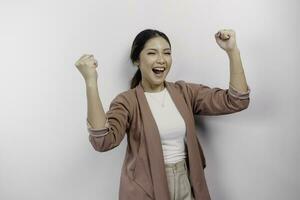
point(217, 35)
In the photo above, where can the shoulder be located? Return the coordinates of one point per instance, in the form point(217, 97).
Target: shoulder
point(182, 85)
point(190, 89)
point(126, 98)
point(129, 95)
point(190, 86)
point(179, 84)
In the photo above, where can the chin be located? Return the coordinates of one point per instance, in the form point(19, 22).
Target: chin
point(158, 81)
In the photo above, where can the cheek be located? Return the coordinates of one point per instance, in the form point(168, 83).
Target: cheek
point(169, 59)
point(150, 61)
point(169, 62)
point(145, 70)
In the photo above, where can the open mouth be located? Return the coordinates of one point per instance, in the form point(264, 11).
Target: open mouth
point(158, 70)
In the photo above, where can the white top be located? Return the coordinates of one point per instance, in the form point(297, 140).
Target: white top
point(170, 124)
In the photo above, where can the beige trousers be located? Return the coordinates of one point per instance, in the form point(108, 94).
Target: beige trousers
point(178, 181)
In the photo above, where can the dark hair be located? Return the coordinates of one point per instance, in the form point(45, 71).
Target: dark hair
point(138, 45)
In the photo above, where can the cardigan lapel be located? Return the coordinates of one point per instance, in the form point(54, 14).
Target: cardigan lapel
point(194, 159)
point(154, 147)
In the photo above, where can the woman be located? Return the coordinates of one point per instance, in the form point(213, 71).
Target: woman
point(164, 160)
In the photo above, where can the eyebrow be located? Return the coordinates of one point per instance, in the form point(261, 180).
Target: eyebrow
point(156, 49)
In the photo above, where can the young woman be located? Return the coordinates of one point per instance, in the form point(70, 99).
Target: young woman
point(164, 160)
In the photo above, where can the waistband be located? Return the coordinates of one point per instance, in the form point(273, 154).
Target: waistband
point(176, 167)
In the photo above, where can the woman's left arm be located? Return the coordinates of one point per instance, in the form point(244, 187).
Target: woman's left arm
point(226, 39)
point(217, 101)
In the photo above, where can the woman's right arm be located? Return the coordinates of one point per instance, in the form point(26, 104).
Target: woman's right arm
point(96, 117)
point(87, 65)
point(106, 130)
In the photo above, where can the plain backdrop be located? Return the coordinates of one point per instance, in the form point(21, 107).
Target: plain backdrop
point(44, 148)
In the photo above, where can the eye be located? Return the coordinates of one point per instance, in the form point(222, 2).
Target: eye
point(150, 53)
point(169, 53)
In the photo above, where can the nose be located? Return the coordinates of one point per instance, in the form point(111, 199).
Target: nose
point(161, 59)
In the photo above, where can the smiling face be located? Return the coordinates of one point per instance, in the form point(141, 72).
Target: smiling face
point(154, 62)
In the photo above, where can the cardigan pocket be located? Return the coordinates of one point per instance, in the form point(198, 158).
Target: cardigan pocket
point(141, 177)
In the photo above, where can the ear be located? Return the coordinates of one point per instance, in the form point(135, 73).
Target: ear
point(136, 63)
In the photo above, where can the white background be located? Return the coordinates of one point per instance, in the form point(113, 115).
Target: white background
point(44, 148)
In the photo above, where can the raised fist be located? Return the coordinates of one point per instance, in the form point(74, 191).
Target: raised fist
point(226, 39)
point(87, 65)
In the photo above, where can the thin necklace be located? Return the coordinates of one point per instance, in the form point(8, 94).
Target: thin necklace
point(162, 104)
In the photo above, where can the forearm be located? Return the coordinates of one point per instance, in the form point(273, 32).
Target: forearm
point(237, 75)
point(95, 113)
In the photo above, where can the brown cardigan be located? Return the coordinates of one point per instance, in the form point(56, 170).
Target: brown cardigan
point(143, 174)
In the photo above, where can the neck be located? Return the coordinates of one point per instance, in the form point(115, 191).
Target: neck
point(152, 88)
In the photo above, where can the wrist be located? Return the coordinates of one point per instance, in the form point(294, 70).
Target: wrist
point(91, 82)
point(233, 51)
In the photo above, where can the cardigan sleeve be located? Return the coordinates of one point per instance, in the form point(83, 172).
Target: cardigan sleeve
point(216, 101)
point(117, 124)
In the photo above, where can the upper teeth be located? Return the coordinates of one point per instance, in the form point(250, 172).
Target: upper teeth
point(159, 68)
